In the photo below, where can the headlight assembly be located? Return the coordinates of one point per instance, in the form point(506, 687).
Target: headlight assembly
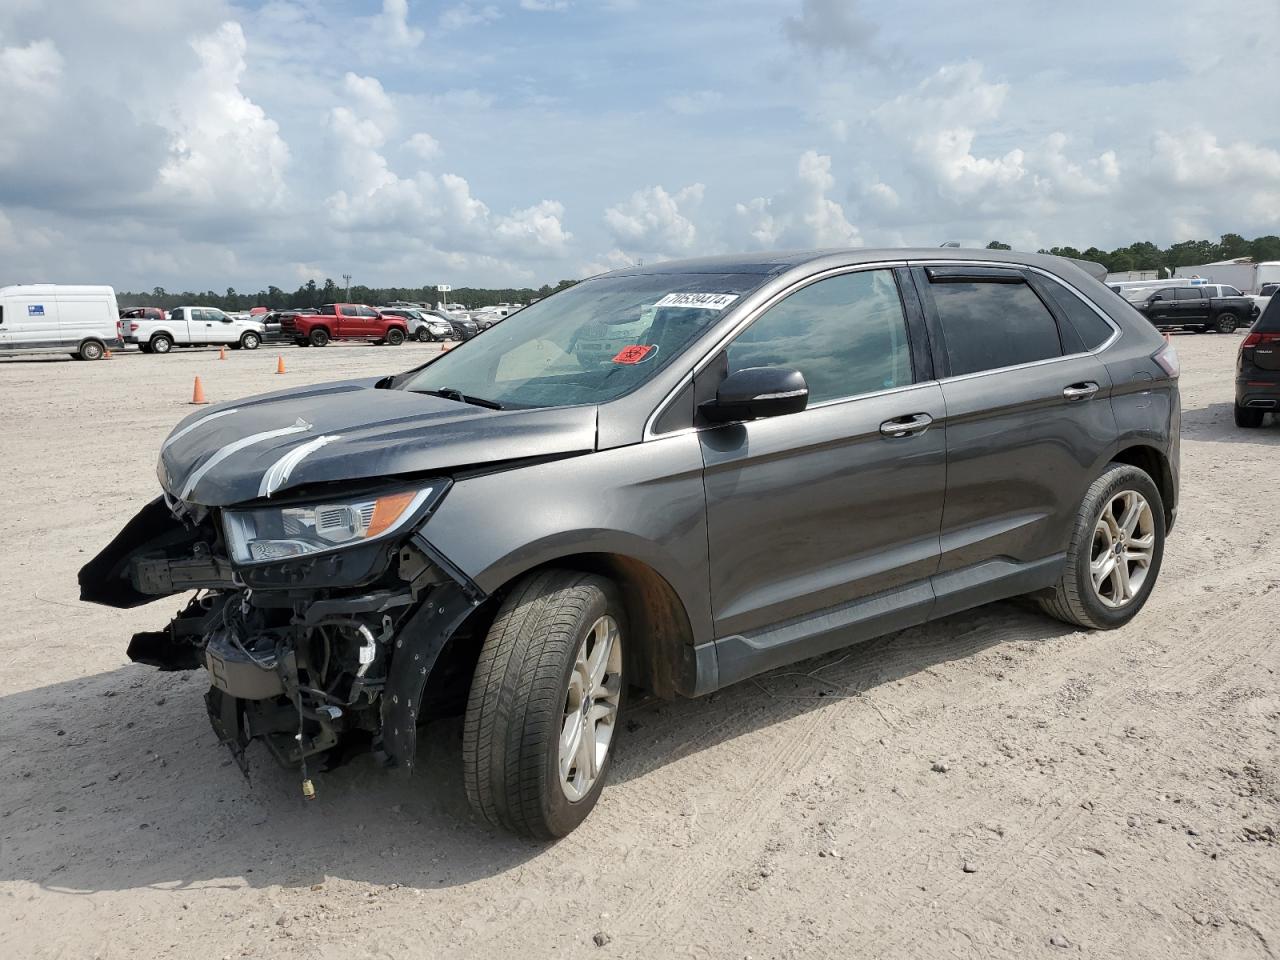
point(282, 532)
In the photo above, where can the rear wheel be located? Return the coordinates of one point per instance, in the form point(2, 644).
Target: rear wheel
point(1115, 552)
point(1227, 323)
point(161, 343)
point(545, 699)
point(91, 350)
point(395, 336)
point(319, 337)
point(1248, 417)
point(250, 340)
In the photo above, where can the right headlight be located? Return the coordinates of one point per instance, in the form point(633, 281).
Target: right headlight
point(264, 534)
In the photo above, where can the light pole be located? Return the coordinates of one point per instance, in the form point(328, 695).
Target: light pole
point(347, 277)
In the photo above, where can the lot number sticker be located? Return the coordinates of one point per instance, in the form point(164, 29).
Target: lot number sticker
point(35, 309)
point(699, 301)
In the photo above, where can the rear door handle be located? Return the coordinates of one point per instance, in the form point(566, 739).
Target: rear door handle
point(911, 425)
point(1080, 391)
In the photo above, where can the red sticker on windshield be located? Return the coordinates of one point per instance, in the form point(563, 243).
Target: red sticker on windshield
point(635, 353)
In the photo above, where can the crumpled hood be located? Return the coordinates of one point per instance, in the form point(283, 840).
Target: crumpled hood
point(265, 445)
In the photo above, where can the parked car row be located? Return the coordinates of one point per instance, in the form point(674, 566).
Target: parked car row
point(155, 330)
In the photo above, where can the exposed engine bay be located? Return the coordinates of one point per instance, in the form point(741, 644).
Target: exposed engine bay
point(312, 671)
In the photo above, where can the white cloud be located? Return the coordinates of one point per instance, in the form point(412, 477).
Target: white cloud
point(224, 148)
point(468, 14)
point(544, 6)
point(423, 145)
point(392, 24)
point(34, 69)
point(650, 222)
point(802, 215)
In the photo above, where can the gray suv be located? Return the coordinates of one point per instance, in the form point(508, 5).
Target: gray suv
point(668, 478)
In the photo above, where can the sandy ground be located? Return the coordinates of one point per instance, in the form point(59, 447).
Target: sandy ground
point(992, 785)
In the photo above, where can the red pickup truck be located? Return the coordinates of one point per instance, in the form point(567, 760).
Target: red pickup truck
point(343, 321)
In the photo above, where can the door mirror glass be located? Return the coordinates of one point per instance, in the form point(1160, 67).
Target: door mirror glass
point(757, 392)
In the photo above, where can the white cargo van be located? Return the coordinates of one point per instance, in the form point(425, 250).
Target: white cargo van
point(54, 318)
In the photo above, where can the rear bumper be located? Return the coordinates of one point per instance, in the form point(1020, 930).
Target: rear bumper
point(1259, 392)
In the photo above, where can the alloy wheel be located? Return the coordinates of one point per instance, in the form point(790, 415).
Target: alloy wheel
point(1124, 541)
point(590, 708)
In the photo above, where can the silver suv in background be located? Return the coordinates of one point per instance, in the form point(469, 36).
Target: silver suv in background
point(669, 478)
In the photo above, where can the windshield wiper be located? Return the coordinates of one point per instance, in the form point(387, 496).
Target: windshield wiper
point(449, 393)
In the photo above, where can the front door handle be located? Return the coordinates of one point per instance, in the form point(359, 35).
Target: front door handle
point(1080, 391)
point(911, 425)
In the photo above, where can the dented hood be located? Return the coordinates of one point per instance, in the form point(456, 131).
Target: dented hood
point(349, 430)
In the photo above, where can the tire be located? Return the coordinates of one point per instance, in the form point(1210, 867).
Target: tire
point(394, 337)
point(1227, 323)
point(423, 336)
point(525, 692)
point(91, 350)
point(161, 343)
point(319, 337)
point(1075, 599)
point(1248, 417)
point(250, 341)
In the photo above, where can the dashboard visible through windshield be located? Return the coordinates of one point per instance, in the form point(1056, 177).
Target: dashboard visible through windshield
point(590, 343)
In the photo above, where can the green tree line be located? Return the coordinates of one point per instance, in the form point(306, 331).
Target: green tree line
point(1147, 256)
point(312, 294)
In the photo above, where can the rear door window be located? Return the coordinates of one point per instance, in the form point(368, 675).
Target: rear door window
point(1188, 293)
point(988, 325)
point(347, 311)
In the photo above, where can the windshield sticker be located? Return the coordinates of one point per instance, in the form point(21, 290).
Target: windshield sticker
point(699, 301)
point(636, 353)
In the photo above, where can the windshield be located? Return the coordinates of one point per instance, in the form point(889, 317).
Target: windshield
point(588, 344)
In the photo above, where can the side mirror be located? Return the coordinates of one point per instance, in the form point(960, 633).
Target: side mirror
point(757, 392)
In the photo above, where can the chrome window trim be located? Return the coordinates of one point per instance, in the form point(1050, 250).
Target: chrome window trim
point(752, 315)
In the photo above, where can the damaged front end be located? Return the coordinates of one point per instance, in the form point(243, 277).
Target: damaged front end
point(319, 622)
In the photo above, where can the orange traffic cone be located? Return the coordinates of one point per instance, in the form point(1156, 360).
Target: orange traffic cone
point(280, 363)
point(222, 353)
point(197, 393)
point(107, 355)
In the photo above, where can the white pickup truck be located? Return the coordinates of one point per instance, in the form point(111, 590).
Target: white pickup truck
point(192, 327)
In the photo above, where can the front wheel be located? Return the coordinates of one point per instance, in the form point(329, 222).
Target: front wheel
point(545, 699)
point(250, 341)
point(319, 338)
point(1249, 417)
point(1227, 323)
point(395, 336)
point(423, 336)
point(1113, 559)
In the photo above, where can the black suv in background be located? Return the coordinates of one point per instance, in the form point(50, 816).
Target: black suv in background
point(1258, 369)
point(768, 458)
point(1201, 308)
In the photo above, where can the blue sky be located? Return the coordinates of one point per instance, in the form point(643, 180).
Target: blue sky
point(207, 143)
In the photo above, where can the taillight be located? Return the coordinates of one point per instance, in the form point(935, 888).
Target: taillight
point(133, 328)
point(1253, 339)
point(1167, 358)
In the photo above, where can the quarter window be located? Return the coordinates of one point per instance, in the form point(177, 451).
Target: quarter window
point(1093, 330)
point(991, 325)
point(846, 334)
